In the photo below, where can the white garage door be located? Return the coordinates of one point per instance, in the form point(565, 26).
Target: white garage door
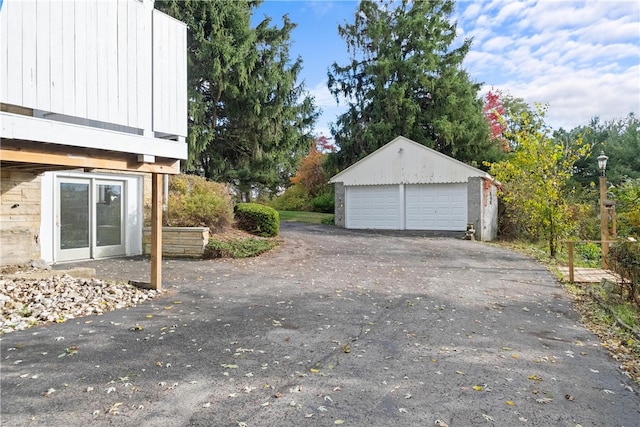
point(373, 207)
point(436, 207)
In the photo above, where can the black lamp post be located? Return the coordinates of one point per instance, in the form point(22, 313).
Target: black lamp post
point(604, 216)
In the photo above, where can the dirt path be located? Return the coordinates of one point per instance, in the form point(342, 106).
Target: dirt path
point(335, 327)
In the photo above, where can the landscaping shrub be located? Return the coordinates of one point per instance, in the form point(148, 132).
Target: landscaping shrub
point(323, 203)
point(238, 248)
point(590, 254)
point(624, 259)
point(294, 198)
point(329, 220)
point(196, 202)
point(257, 219)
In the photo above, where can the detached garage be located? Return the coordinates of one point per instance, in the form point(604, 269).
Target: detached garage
point(407, 186)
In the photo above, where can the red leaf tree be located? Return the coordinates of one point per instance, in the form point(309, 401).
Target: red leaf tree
point(494, 113)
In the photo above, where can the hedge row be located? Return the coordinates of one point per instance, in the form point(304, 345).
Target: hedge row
point(257, 219)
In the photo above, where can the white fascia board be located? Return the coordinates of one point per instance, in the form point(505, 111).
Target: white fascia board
point(15, 126)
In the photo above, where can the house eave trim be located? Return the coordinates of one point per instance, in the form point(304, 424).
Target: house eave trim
point(14, 126)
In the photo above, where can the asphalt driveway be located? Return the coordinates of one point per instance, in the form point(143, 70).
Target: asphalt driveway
point(335, 327)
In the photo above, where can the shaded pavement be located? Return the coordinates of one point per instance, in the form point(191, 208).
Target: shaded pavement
point(335, 327)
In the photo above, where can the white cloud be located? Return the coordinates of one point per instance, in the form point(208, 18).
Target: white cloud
point(471, 11)
point(580, 57)
point(323, 98)
point(320, 7)
point(498, 43)
point(611, 31)
point(510, 11)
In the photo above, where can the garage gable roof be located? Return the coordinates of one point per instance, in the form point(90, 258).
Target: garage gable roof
point(403, 161)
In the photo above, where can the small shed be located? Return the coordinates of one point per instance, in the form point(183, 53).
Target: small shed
point(407, 186)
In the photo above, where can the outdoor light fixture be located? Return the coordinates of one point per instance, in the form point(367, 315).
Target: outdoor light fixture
point(604, 215)
point(602, 162)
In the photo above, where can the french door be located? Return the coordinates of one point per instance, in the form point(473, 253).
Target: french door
point(90, 216)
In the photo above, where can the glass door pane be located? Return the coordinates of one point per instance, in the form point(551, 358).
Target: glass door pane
point(109, 240)
point(74, 220)
point(108, 215)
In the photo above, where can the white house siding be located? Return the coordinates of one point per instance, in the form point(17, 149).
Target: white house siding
point(169, 75)
point(116, 62)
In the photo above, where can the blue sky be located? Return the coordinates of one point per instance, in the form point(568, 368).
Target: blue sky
point(580, 57)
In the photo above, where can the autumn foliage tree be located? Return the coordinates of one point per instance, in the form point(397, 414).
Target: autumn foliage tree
point(536, 180)
point(310, 189)
point(325, 145)
point(494, 112)
point(311, 174)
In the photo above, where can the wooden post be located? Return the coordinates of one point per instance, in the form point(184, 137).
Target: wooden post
point(604, 222)
point(570, 250)
point(156, 230)
point(614, 230)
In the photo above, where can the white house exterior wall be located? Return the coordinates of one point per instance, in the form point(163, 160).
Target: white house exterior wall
point(115, 64)
point(403, 161)
point(169, 62)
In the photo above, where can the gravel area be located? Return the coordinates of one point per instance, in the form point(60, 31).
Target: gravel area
point(26, 302)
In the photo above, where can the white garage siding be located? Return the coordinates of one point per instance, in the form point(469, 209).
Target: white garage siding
point(436, 207)
point(373, 207)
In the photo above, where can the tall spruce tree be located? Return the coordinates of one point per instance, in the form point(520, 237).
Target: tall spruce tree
point(405, 78)
point(250, 121)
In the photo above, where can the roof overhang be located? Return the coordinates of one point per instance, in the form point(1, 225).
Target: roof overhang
point(50, 145)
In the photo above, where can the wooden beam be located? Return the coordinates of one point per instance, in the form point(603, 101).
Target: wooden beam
point(46, 154)
point(16, 109)
point(156, 230)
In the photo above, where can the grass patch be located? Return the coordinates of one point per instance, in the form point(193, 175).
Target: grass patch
point(238, 248)
point(586, 255)
point(627, 314)
point(306, 217)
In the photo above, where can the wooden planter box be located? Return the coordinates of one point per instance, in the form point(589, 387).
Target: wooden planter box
point(179, 242)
